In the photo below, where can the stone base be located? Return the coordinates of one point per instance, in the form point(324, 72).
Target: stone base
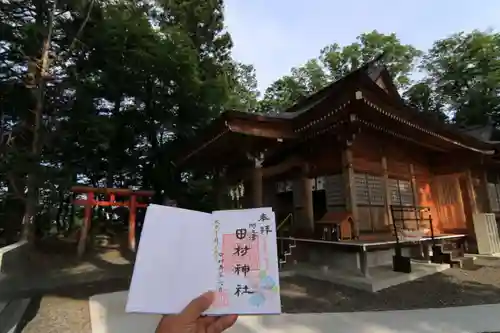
point(381, 277)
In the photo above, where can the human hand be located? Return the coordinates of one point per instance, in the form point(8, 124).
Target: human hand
point(190, 319)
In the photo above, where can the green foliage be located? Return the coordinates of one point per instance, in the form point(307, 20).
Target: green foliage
point(424, 98)
point(461, 75)
point(243, 86)
point(464, 71)
point(336, 61)
point(127, 80)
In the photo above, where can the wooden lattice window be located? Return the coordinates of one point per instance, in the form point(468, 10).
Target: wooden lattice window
point(494, 197)
point(394, 191)
point(368, 189)
point(335, 190)
point(361, 189)
point(376, 190)
point(406, 192)
point(401, 192)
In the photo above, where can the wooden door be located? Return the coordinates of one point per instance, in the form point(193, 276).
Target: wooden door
point(449, 198)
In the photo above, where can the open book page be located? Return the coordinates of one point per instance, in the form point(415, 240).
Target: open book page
point(174, 262)
point(244, 246)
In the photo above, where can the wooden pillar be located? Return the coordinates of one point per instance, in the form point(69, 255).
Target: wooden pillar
point(269, 192)
point(414, 190)
point(221, 191)
point(87, 220)
point(307, 217)
point(131, 222)
point(472, 193)
point(257, 188)
point(469, 204)
point(363, 263)
point(303, 206)
point(414, 185)
point(483, 187)
point(387, 192)
point(348, 173)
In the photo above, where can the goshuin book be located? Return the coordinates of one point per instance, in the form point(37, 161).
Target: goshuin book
point(184, 253)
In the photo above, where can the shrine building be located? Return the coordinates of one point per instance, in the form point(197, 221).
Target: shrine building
point(354, 165)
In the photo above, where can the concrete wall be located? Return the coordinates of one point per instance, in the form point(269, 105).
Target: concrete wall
point(344, 260)
point(384, 257)
point(351, 260)
point(11, 256)
point(324, 254)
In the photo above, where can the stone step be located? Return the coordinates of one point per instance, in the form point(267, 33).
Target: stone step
point(463, 263)
point(11, 314)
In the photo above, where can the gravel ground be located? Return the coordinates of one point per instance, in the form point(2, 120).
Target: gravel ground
point(66, 310)
point(453, 287)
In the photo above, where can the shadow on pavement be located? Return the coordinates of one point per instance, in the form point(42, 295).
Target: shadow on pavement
point(29, 314)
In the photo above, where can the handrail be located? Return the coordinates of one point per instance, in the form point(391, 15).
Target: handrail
point(289, 216)
point(360, 243)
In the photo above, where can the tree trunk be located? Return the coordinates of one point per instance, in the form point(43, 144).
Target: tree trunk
point(40, 72)
point(65, 212)
point(27, 232)
point(60, 206)
point(72, 213)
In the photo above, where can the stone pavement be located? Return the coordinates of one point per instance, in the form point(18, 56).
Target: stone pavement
point(108, 316)
point(54, 281)
point(11, 313)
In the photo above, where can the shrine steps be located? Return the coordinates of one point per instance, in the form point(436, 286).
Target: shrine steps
point(285, 251)
point(463, 263)
point(452, 254)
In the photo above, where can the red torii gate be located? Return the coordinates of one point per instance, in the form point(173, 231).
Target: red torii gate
point(90, 202)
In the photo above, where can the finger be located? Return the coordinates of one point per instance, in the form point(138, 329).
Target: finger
point(208, 320)
point(165, 322)
point(222, 324)
point(197, 306)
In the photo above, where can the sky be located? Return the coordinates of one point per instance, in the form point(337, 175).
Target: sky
point(276, 35)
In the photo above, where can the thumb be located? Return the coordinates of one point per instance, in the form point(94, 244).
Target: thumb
point(197, 306)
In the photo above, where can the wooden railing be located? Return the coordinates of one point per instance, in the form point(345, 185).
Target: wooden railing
point(287, 219)
point(420, 225)
point(404, 233)
point(284, 246)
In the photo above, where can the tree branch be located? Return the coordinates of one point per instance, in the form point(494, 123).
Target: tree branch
point(82, 26)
